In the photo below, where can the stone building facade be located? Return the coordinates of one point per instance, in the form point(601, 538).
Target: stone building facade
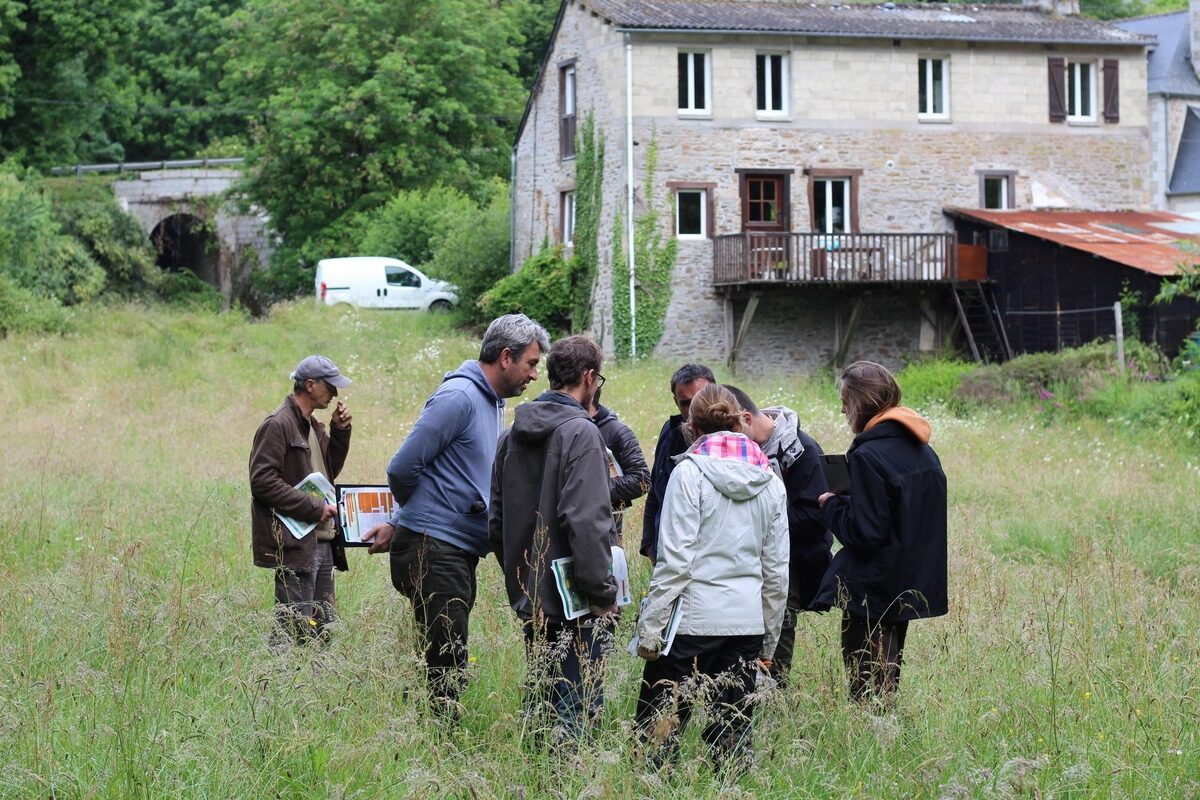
point(849, 109)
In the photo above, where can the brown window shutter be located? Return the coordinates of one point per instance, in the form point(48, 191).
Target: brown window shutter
point(1112, 91)
point(1058, 89)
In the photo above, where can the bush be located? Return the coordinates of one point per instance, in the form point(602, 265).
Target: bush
point(412, 225)
point(35, 254)
point(184, 289)
point(473, 254)
point(22, 311)
point(541, 288)
point(113, 240)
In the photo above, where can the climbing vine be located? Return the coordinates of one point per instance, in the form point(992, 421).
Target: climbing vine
point(654, 263)
point(589, 177)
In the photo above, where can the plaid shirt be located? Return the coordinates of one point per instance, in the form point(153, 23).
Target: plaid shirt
point(730, 445)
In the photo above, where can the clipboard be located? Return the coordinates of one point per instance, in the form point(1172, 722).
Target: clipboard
point(360, 508)
point(837, 472)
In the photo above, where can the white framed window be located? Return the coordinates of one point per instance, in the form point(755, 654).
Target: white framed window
point(691, 214)
point(997, 189)
point(771, 84)
point(1081, 91)
point(566, 127)
point(695, 90)
point(568, 218)
point(832, 209)
point(933, 88)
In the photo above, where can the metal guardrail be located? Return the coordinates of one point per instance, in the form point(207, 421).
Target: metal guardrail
point(141, 166)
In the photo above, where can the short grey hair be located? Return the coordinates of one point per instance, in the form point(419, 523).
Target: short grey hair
point(513, 332)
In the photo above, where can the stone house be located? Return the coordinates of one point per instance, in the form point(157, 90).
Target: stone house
point(805, 154)
point(1173, 75)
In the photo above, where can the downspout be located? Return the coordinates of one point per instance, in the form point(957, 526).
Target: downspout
point(512, 210)
point(633, 352)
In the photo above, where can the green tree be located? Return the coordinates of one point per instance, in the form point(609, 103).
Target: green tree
point(473, 254)
point(356, 100)
point(412, 224)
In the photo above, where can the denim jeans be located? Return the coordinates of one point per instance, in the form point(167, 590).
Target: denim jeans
point(439, 579)
point(564, 679)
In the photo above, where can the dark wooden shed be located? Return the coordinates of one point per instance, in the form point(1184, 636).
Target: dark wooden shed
point(1057, 274)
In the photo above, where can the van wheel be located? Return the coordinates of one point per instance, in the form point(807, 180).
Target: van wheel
point(440, 306)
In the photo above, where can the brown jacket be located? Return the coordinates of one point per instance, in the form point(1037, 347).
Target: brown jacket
point(279, 460)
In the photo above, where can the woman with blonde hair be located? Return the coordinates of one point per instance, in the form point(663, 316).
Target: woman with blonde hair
point(723, 565)
point(892, 526)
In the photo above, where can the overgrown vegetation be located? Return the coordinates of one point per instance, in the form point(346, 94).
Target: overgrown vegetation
point(134, 661)
point(654, 263)
point(541, 288)
point(589, 207)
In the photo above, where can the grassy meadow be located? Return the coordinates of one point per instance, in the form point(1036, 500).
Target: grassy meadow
point(133, 658)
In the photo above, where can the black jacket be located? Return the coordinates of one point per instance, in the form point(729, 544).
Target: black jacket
point(670, 444)
point(811, 542)
point(622, 441)
point(892, 526)
point(550, 500)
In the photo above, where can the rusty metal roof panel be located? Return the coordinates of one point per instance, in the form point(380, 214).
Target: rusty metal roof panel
point(1151, 241)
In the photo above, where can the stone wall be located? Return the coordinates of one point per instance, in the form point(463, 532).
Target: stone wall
point(853, 106)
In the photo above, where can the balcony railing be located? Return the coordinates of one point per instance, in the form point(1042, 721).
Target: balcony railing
point(774, 258)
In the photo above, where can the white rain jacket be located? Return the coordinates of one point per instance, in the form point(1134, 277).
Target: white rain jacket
point(722, 549)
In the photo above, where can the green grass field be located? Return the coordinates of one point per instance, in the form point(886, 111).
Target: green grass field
point(133, 658)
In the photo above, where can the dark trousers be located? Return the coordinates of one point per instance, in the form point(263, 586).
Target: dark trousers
point(304, 601)
point(564, 676)
point(872, 652)
point(439, 579)
point(713, 671)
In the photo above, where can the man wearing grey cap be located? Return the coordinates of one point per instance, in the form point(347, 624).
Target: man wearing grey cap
point(289, 445)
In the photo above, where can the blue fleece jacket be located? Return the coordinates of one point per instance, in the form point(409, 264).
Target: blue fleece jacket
point(442, 475)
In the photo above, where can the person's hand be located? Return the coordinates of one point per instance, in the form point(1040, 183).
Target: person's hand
point(380, 537)
point(821, 500)
point(328, 512)
point(341, 416)
point(647, 654)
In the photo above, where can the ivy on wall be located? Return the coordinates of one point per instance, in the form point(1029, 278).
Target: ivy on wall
point(654, 263)
point(589, 178)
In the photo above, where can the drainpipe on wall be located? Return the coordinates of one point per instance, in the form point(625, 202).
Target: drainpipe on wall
point(512, 210)
point(629, 191)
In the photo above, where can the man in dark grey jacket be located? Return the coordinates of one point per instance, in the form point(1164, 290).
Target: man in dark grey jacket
point(631, 478)
point(550, 501)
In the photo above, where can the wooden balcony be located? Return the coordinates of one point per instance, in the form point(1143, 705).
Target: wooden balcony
point(772, 259)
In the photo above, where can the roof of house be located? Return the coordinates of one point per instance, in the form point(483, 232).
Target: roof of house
point(1169, 70)
point(958, 21)
point(1185, 176)
point(1145, 240)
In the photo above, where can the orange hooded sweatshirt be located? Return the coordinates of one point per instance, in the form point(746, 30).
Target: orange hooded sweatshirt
point(916, 424)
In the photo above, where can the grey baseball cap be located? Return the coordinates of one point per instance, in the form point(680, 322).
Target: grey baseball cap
point(320, 368)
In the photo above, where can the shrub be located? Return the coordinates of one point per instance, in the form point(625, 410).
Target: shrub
point(937, 381)
point(113, 240)
point(22, 311)
point(184, 289)
point(541, 288)
point(412, 225)
point(473, 254)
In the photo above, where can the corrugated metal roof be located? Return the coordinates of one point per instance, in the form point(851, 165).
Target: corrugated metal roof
point(957, 21)
point(1145, 240)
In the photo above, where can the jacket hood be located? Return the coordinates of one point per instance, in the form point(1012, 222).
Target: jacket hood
point(732, 463)
point(471, 370)
point(537, 420)
point(784, 447)
point(917, 425)
point(604, 414)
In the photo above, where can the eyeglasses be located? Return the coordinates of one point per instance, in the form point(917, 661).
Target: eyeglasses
point(599, 379)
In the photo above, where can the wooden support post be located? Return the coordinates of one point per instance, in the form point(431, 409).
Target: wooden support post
point(966, 326)
point(747, 316)
point(844, 343)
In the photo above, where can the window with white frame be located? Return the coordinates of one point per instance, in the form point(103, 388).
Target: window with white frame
point(694, 88)
point(1081, 91)
point(771, 71)
point(997, 190)
point(933, 88)
point(566, 128)
point(691, 213)
point(832, 211)
point(568, 217)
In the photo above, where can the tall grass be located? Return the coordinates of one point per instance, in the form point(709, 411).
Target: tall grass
point(133, 658)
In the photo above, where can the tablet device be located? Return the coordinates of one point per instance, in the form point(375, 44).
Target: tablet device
point(360, 508)
point(837, 472)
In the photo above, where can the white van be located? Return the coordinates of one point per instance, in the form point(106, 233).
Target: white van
point(377, 282)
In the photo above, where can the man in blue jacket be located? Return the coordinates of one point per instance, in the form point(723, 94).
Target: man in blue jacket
point(441, 478)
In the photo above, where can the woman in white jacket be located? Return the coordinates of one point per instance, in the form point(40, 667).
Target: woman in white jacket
point(723, 569)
